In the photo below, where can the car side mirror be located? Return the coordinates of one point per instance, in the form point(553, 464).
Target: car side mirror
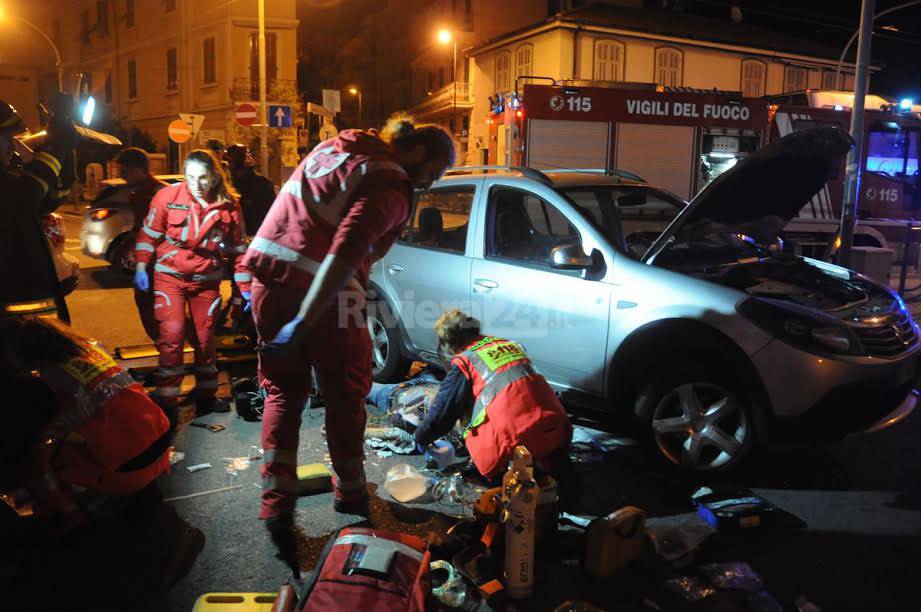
point(570, 257)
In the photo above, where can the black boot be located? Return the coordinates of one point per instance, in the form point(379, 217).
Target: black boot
point(207, 405)
point(281, 530)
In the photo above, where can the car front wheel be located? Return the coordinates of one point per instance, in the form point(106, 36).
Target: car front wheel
point(387, 362)
point(697, 423)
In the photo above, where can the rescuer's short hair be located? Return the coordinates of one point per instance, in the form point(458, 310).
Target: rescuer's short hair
point(455, 329)
point(133, 157)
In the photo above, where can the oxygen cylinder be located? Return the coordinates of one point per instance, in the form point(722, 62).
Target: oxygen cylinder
point(519, 496)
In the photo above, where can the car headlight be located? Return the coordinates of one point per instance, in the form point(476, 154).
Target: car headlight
point(800, 326)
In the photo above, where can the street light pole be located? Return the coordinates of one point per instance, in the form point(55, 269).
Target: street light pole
point(454, 82)
point(264, 109)
point(357, 92)
point(854, 159)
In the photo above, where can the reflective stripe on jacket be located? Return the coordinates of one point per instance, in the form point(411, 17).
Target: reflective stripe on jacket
point(513, 405)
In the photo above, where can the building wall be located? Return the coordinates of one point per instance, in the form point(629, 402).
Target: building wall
point(107, 56)
point(553, 51)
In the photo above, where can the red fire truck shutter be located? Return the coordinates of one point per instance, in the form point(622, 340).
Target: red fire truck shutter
point(568, 144)
point(662, 154)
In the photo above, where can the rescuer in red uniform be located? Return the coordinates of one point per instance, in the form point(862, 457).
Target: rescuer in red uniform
point(134, 167)
point(190, 228)
point(344, 206)
point(494, 389)
point(96, 431)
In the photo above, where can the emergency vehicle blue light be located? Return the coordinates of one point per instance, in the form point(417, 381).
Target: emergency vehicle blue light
point(88, 110)
point(905, 104)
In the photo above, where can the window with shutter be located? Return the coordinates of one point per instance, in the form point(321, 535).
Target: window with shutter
point(669, 67)
point(795, 79)
point(609, 61)
point(503, 72)
point(753, 78)
point(523, 63)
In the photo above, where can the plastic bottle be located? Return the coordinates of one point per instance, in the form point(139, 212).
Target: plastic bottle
point(519, 495)
point(405, 483)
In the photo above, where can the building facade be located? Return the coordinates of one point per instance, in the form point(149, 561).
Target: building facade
point(148, 61)
point(617, 46)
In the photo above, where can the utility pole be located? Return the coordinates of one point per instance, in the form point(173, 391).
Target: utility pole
point(854, 167)
point(263, 107)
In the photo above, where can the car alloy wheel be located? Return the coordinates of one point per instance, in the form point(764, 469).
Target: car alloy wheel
point(380, 344)
point(701, 426)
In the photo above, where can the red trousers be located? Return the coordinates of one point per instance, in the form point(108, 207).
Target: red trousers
point(339, 349)
point(144, 300)
point(171, 297)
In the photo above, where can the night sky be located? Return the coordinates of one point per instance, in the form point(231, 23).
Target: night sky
point(834, 21)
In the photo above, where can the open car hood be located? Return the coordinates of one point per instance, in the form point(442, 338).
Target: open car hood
point(769, 187)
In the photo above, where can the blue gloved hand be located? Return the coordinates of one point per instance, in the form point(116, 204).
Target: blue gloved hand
point(247, 304)
point(286, 339)
point(141, 280)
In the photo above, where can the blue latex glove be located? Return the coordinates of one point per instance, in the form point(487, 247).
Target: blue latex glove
point(287, 338)
point(141, 280)
point(246, 300)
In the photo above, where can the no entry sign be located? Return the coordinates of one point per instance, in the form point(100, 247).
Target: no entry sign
point(246, 114)
point(179, 131)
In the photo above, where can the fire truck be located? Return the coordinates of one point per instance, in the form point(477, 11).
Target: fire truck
point(681, 139)
point(890, 189)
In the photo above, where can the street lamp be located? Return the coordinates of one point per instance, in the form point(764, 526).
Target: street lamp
point(446, 36)
point(357, 92)
point(57, 54)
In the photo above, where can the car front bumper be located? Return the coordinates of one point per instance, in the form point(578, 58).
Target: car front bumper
point(817, 397)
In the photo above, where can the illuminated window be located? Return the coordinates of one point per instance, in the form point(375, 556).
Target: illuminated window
point(209, 60)
point(503, 72)
point(172, 71)
point(669, 67)
point(524, 61)
point(440, 220)
point(609, 61)
point(753, 78)
point(132, 80)
point(795, 79)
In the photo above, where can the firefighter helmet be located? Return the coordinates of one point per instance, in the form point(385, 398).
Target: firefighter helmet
point(10, 119)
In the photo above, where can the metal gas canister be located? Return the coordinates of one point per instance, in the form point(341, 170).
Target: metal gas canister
point(614, 541)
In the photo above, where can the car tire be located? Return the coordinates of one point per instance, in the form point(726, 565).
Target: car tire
point(121, 255)
point(388, 365)
point(697, 419)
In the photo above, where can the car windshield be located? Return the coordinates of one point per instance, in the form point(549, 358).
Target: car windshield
point(631, 217)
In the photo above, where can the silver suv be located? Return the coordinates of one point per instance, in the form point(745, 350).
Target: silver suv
point(712, 336)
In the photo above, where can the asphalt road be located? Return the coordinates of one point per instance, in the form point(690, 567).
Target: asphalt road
point(857, 546)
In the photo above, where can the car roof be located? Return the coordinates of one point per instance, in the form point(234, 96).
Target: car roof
point(558, 180)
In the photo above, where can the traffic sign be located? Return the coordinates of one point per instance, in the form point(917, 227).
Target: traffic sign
point(280, 116)
point(194, 122)
point(179, 131)
point(332, 100)
point(246, 114)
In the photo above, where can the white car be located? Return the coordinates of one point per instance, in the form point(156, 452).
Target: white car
point(109, 223)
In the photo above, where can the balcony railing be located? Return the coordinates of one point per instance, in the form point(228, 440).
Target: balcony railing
point(444, 99)
point(278, 90)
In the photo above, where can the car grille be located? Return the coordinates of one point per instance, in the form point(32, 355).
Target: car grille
point(890, 339)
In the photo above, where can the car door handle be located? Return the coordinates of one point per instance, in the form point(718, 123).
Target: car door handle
point(483, 285)
point(395, 268)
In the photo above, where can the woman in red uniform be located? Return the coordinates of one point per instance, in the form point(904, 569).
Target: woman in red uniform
point(96, 432)
point(190, 228)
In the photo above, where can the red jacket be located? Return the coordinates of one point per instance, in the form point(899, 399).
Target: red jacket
point(189, 240)
point(108, 436)
point(513, 406)
point(349, 197)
